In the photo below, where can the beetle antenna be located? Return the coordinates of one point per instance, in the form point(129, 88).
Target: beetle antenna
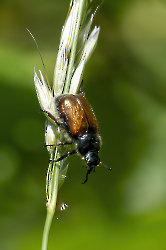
point(40, 57)
point(105, 166)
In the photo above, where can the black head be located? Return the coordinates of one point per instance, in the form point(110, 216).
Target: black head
point(92, 159)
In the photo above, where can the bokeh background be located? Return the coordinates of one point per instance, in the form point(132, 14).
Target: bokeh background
point(125, 82)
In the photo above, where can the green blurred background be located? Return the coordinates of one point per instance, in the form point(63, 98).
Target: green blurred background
point(125, 82)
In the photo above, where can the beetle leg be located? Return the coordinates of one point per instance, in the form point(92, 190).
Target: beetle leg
point(88, 172)
point(58, 144)
point(64, 156)
point(52, 117)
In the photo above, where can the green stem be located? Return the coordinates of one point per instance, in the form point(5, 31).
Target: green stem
point(53, 185)
point(51, 208)
point(74, 46)
point(47, 229)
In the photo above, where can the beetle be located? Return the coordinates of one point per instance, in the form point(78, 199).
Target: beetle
point(76, 117)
